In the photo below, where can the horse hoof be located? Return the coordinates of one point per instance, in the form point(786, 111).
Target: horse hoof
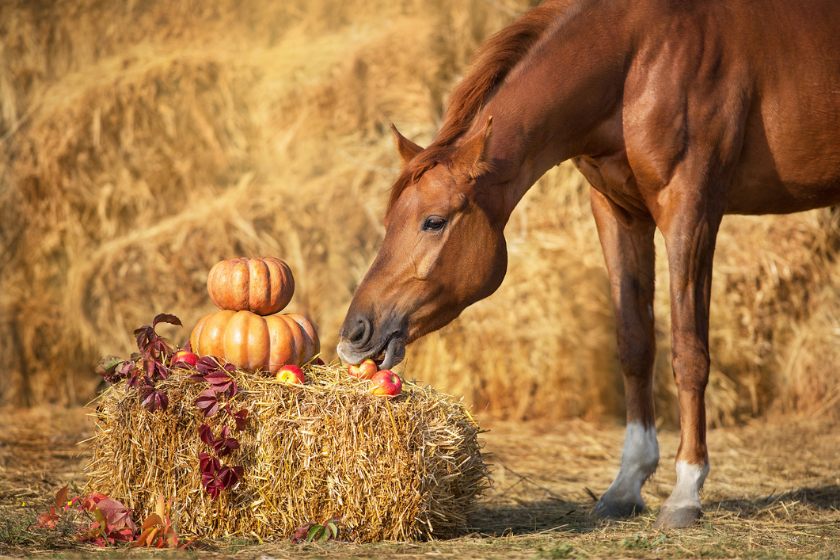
point(677, 518)
point(611, 509)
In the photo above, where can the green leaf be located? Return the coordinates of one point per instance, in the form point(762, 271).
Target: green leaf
point(107, 365)
point(314, 532)
point(334, 528)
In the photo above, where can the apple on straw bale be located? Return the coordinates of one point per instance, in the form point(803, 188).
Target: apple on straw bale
point(246, 445)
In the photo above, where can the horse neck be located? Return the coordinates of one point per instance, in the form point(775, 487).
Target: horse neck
point(558, 101)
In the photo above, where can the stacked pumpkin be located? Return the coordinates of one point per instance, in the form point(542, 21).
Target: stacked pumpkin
point(248, 331)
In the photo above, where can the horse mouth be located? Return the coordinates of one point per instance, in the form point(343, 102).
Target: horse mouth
point(390, 353)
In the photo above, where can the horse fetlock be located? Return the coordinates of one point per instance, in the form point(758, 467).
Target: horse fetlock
point(639, 460)
point(682, 508)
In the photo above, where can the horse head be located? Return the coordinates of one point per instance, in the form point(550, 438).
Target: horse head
point(444, 249)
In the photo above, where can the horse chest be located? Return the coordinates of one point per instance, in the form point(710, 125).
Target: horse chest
point(612, 176)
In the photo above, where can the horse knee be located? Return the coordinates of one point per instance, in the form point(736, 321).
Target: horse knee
point(637, 359)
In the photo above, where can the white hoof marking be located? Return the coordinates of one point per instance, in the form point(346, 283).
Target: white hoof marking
point(686, 492)
point(639, 460)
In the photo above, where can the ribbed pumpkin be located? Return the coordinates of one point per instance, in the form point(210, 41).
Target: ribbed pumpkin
point(250, 341)
point(261, 285)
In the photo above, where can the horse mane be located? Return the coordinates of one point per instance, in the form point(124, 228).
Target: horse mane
point(491, 64)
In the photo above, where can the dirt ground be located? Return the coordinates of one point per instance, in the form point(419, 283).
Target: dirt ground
point(774, 491)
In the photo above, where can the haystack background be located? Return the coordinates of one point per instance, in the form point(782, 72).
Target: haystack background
point(144, 141)
point(405, 468)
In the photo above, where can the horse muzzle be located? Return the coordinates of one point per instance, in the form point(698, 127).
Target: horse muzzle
point(359, 339)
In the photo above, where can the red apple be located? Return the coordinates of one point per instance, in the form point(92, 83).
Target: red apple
point(365, 370)
point(183, 356)
point(385, 383)
point(290, 374)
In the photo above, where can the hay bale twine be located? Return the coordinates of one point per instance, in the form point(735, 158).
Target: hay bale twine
point(405, 468)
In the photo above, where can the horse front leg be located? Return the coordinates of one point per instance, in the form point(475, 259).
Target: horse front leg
point(690, 241)
point(628, 248)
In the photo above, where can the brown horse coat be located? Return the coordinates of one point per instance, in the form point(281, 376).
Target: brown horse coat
point(677, 112)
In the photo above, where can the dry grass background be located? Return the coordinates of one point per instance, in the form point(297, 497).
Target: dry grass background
point(144, 141)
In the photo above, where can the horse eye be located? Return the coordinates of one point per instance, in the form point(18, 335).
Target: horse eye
point(434, 224)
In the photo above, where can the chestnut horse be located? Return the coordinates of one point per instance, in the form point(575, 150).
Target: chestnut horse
point(676, 112)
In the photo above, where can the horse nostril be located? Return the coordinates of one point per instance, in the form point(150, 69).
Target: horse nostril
point(361, 331)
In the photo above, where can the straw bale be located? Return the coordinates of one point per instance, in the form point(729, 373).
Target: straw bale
point(405, 468)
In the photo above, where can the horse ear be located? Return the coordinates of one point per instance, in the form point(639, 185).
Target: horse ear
point(471, 158)
point(406, 148)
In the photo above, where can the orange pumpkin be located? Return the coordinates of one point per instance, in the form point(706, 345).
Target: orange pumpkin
point(250, 341)
point(262, 286)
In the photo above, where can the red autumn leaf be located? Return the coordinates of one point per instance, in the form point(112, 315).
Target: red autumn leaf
point(211, 483)
point(48, 520)
point(229, 476)
point(161, 351)
point(217, 377)
point(151, 521)
point(153, 368)
point(221, 382)
point(162, 507)
point(208, 463)
point(220, 480)
point(216, 477)
point(208, 402)
point(157, 530)
point(116, 514)
point(60, 497)
point(99, 536)
point(205, 434)
point(96, 532)
point(225, 445)
point(101, 533)
point(151, 344)
point(120, 535)
point(124, 369)
point(89, 503)
point(133, 377)
point(92, 535)
point(146, 537)
point(152, 399)
point(240, 418)
point(207, 364)
point(166, 318)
